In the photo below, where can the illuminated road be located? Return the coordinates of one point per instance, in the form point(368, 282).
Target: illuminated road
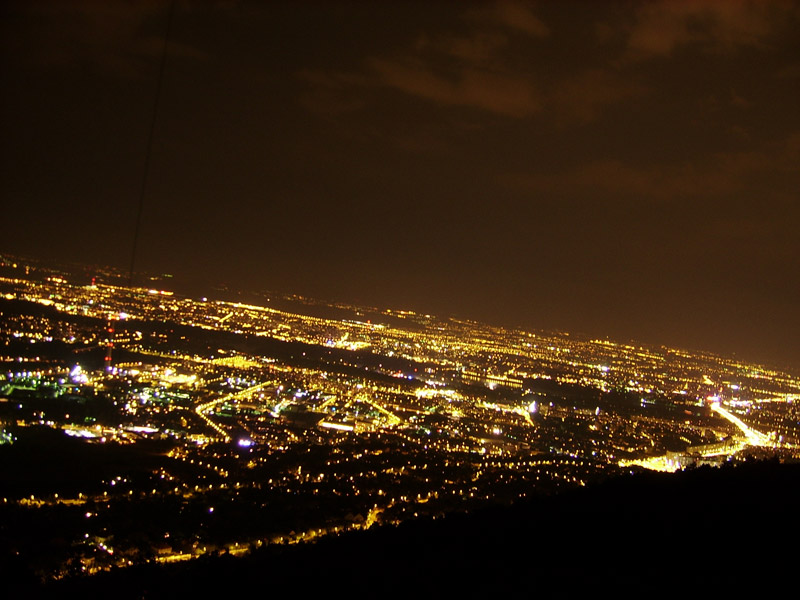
point(525, 414)
point(324, 406)
point(202, 409)
point(393, 418)
point(754, 438)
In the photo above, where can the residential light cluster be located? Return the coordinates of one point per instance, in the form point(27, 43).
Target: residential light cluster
point(244, 425)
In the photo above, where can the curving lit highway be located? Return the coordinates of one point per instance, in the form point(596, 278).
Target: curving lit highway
point(754, 438)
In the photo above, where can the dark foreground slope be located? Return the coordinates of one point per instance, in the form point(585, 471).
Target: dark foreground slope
point(719, 529)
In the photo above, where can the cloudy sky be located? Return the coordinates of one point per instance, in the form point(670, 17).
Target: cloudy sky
point(621, 169)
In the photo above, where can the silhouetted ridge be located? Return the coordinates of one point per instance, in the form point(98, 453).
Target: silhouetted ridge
point(709, 527)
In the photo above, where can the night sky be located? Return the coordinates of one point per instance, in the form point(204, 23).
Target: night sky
point(620, 169)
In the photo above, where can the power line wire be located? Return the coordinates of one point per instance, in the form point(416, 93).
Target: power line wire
point(149, 150)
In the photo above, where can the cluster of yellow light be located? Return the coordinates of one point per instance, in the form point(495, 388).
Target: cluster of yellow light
point(237, 362)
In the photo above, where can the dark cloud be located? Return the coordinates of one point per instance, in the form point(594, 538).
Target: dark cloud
point(581, 97)
point(118, 38)
point(471, 68)
point(620, 168)
point(660, 27)
point(519, 17)
point(500, 93)
point(716, 177)
point(331, 93)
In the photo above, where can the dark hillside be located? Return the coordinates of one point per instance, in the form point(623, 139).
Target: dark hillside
point(713, 528)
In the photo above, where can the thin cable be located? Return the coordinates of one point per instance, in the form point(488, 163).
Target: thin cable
point(149, 150)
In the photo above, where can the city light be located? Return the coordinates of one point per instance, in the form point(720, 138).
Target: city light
point(390, 422)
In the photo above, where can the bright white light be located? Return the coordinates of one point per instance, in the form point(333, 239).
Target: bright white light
point(339, 426)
